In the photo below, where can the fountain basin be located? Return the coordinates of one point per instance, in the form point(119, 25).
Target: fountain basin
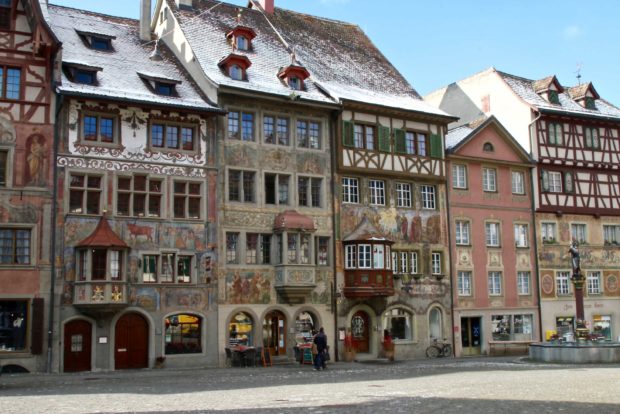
point(576, 352)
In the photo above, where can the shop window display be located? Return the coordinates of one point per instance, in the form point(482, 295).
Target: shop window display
point(183, 334)
point(13, 325)
point(511, 327)
point(399, 324)
point(240, 330)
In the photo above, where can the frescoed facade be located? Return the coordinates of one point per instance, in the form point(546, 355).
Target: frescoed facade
point(493, 244)
point(27, 116)
point(573, 135)
point(137, 178)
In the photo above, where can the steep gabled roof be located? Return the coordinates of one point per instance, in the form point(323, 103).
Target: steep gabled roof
point(343, 63)
point(544, 84)
point(581, 91)
point(103, 236)
point(119, 76)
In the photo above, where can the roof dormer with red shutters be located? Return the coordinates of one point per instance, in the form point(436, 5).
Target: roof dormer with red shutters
point(585, 95)
point(294, 76)
point(235, 66)
point(549, 89)
point(241, 38)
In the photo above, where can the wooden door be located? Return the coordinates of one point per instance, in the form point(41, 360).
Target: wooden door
point(131, 343)
point(274, 333)
point(360, 331)
point(77, 352)
point(471, 336)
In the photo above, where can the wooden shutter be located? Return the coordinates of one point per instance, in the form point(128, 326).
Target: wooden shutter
point(347, 134)
point(384, 138)
point(400, 145)
point(436, 146)
point(36, 342)
point(545, 181)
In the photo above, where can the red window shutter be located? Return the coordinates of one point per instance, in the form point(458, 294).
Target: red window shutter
point(36, 343)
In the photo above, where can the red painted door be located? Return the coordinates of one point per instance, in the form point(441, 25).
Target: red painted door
point(359, 331)
point(77, 353)
point(131, 343)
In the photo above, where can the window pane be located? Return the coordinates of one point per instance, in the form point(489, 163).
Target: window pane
point(157, 135)
point(90, 128)
point(183, 334)
point(187, 138)
point(247, 127)
point(172, 136)
point(13, 81)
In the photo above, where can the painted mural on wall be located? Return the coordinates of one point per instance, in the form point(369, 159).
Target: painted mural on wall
point(248, 287)
point(320, 295)
point(36, 160)
point(145, 297)
point(13, 213)
point(592, 257)
point(241, 156)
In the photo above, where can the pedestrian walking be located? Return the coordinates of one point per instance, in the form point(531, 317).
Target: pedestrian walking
point(320, 340)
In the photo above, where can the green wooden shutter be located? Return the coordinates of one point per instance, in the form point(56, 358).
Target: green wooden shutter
point(545, 180)
point(347, 134)
point(400, 145)
point(436, 146)
point(384, 138)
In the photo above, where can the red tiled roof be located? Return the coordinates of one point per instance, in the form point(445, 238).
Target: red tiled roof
point(292, 220)
point(102, 236)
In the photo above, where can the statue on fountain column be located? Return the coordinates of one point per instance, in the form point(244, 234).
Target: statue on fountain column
point(574, 252)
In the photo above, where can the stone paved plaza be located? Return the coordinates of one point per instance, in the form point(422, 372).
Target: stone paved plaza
point(481, 385)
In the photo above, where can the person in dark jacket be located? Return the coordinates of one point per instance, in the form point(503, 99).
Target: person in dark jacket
point(320, 340)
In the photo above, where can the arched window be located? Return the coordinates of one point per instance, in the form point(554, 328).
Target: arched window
point(235, 72)
point(435, 324)
point(240, 330)
point(399, 323)
point(487, 147)
point(183, 334)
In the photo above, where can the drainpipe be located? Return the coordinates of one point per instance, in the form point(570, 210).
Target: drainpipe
point(449, 220)
point(333, 132)
point(533, 171)
point(50, 328)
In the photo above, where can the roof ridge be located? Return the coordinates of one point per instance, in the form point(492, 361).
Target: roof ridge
point(129, 20)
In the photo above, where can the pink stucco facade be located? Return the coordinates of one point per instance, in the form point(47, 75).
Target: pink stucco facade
point(492, 243)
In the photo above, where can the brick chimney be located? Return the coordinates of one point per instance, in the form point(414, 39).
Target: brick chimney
point(145, 20)
point(266, 5)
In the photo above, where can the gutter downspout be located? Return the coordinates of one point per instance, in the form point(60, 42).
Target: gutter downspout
point(449, 219)
point(52, 304)
point(533, 171)
point(335, 115)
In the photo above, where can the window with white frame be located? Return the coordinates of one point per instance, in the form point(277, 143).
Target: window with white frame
point(232, 248)
point(309, 191)
point(428, 197)
point(611, 234)
point(364, 136)
point(523, 283)
point(187, 199)
point(521, 235)
point(464, 279)
point(399, 323)
point(459, 176)
point(436, 263)
point(461, 232)
point(495, 283)
point(85, 193)
point(518, 182)
point(562, 283)
point(492, 234)
point(364, 256)
point(578, 232)
point(376, 189)
point(298, 248)
point(403, 195)
point(554, 181)
point(277, 189)
point(241, 186)
point(489, 179)
point(322, 251)
point(555, 134)
point(413, 262)
point(166, 267)
point(378, 256)
point(350, 190)
point(350, 259)
point(405, 262)
point(593, 280)
point(138, 196)
point(591, 137)
point(548, 232)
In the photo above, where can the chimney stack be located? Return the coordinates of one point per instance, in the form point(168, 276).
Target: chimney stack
point(266, 5)
point(145, 20)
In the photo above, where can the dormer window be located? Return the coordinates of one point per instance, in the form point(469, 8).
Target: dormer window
point(81, 73)
point(160, 84)
point(97, 41)
point(235, 66)
point(294, 76)
point(241, 37)
point(585, 95)
point(549, 88)
point(590, 103)
point(87, 77)
point(554, 97)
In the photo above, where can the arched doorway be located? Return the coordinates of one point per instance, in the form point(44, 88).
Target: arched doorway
point(360, 331)
point(274, 333)
point(131, 343)
point(305, 324)
point(77, 352)
point(435, 324)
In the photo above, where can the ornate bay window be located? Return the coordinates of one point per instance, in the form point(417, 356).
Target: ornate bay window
point(368, 264)
point(100, 269)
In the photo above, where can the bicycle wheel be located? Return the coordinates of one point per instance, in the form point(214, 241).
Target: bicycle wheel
point(447, 350)
point(432, 351)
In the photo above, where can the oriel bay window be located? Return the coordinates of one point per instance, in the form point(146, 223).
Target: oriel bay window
point(84, 193)
point(99, 263)
point(138, 196)
point(172, 136)
point(166, 267)
point(368, 268)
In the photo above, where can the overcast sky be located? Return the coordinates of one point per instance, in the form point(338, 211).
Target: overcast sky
point(434, 43)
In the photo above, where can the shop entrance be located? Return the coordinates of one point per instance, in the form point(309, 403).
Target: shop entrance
point(77, 352)
point(360, 323)
point(470, 336)
point(274, 333)
point(131, 343)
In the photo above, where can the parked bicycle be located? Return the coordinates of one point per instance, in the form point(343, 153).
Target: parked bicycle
point(439, 349)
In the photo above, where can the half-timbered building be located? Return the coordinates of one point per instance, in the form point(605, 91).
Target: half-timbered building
point(495, 298)
point(27, 49)
point(574, 137)
point(136, 187)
